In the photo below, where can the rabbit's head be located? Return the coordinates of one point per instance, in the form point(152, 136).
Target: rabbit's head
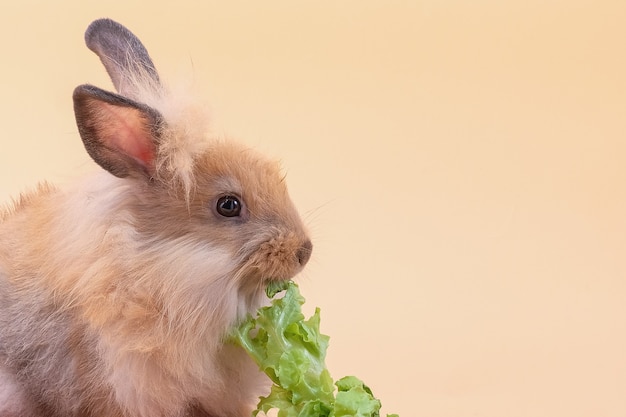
point(207, 195)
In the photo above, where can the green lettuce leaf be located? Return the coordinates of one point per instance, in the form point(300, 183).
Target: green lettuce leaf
point(292, 352)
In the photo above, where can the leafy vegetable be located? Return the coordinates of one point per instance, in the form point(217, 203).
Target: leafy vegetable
point(292, 351)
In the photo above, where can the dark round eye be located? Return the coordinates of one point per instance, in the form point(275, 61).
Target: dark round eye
point(228, 206)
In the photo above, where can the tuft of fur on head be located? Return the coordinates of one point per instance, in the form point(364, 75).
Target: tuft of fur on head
point(185, 131)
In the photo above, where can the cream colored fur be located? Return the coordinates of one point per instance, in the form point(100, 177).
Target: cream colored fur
point(14, 402)
point(156, 314)
point(117, 294)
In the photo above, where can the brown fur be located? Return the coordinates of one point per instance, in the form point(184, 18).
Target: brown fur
point(117, 294)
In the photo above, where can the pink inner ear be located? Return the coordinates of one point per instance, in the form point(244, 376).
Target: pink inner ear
point(127, 130)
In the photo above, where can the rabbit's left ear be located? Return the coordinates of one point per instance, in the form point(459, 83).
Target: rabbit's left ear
point(119, 134)
point(123, 55)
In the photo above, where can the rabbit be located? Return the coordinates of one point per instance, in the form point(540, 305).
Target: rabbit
point(117, 292)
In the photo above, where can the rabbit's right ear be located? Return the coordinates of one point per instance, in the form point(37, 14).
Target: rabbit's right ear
point(118, 133)
point(123, 55)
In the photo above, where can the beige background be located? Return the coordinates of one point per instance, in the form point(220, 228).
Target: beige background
point(462, 165)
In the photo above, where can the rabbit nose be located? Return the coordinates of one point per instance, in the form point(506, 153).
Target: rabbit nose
point(304, 253)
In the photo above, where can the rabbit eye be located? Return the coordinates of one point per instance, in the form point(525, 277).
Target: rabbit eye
point(229, 206)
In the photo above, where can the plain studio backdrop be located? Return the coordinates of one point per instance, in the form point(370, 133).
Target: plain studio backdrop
point(461, 164)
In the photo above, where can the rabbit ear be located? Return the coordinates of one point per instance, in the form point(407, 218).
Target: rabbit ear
point(123, 55)
point(118, 133)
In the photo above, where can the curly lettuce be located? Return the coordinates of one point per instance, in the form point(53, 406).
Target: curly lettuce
point(292, 352)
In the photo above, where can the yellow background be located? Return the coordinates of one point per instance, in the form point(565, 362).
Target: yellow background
point(461, 164)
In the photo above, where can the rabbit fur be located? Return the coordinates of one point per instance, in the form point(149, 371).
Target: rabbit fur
point(117, 293)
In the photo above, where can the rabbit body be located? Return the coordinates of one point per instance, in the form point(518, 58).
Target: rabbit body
point(117, 293)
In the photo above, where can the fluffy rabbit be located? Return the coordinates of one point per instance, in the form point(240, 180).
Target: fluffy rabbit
point(116, 294)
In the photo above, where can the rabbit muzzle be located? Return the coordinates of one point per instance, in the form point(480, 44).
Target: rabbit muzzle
point(280, 257)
